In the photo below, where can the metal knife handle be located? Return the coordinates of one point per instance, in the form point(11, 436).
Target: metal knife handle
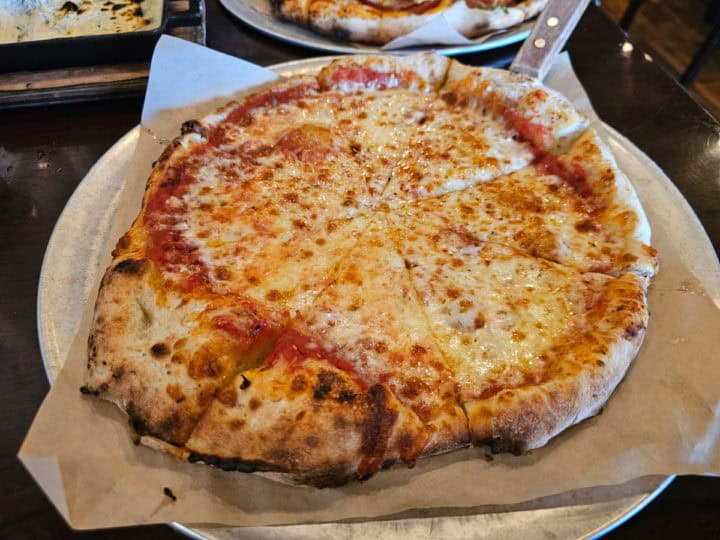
point(552, 29)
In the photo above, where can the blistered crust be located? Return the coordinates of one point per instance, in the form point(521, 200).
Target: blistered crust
point(311, 421)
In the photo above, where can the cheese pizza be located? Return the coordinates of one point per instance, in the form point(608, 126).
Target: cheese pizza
point(398, 257)
point(380, 21)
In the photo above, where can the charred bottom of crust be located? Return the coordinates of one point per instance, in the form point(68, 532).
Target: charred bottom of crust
point(232, 464)
point(137, 424)
point(168, 429)
point(336, 32)
point(89, 391)
point(333, 476)
point(503, 445)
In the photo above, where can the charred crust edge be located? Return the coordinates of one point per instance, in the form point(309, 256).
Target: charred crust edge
point(333, 476)
point(192, 126)
point(87, 391)
point(232, 464)
point(504, 445)
point(130, 267)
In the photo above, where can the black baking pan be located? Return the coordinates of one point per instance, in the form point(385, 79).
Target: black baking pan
point(95, 49)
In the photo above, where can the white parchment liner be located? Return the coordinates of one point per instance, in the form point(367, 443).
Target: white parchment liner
point(663, 419)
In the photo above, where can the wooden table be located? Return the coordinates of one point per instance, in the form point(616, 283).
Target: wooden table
point(45, 152)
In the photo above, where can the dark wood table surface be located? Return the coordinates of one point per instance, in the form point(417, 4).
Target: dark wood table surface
point(46, 151)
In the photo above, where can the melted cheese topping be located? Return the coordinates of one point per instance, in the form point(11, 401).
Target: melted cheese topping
point(451, 150)
point(32, 20)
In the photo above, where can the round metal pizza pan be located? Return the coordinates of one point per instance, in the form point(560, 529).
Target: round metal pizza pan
point(73, 258)
point(257, 13)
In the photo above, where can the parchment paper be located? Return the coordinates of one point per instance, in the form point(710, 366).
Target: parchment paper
point(663, 419)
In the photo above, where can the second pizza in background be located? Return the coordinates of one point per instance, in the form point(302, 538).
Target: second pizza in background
point(378, 22)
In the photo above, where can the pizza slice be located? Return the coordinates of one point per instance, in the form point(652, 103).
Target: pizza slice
point(489, 123)
point(160, 354)
point(535, 346)
point(307, 415)
point(385, 99)
point(578, 210)
point(370, 317)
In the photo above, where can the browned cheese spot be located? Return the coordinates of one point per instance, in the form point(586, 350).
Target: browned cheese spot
point(312, 441)
point(273, 295)
point(298, 383)
point(175, 392)
point(587, 225)
point(453, 293)
point(254, 404)
point(204, 364)
point(465, 305)
point(227, 396)
point(326, 381)
point(222, 273)
point(236, 425)
point(418, 350)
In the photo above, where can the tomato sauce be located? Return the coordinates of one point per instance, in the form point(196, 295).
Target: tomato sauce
point(367, 77)
point(293, 348)
point(536, 134)
point(167, 246)
point(538, 137)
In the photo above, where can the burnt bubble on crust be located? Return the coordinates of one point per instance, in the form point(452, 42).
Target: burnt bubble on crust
point(85, 390)
point(192, 126)
point(159, 350)
point(502, 445)
point(137, 424)
point(68, 7)
point(130, 267)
